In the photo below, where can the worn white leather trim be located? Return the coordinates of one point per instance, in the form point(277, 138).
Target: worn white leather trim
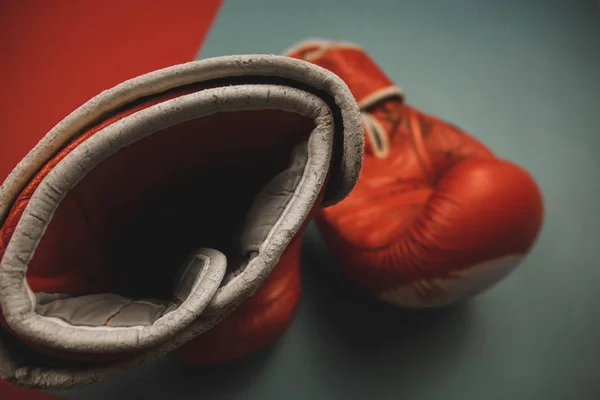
point(194, 72)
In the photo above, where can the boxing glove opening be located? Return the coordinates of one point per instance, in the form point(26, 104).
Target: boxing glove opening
point(111, 253)
point(130, 242)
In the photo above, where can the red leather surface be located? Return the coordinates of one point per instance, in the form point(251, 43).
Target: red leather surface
point(441, 202)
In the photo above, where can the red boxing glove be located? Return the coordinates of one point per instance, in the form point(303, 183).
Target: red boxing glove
point(435, 217)
point(152, 212)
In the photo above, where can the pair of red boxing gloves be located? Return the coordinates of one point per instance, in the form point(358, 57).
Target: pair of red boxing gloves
point(166, 213)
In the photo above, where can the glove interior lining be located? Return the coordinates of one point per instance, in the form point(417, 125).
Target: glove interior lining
point(118, 235)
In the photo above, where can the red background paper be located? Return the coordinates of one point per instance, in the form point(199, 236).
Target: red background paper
point(57, 55)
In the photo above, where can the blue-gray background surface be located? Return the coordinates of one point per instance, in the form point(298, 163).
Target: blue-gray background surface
point(521, 75)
